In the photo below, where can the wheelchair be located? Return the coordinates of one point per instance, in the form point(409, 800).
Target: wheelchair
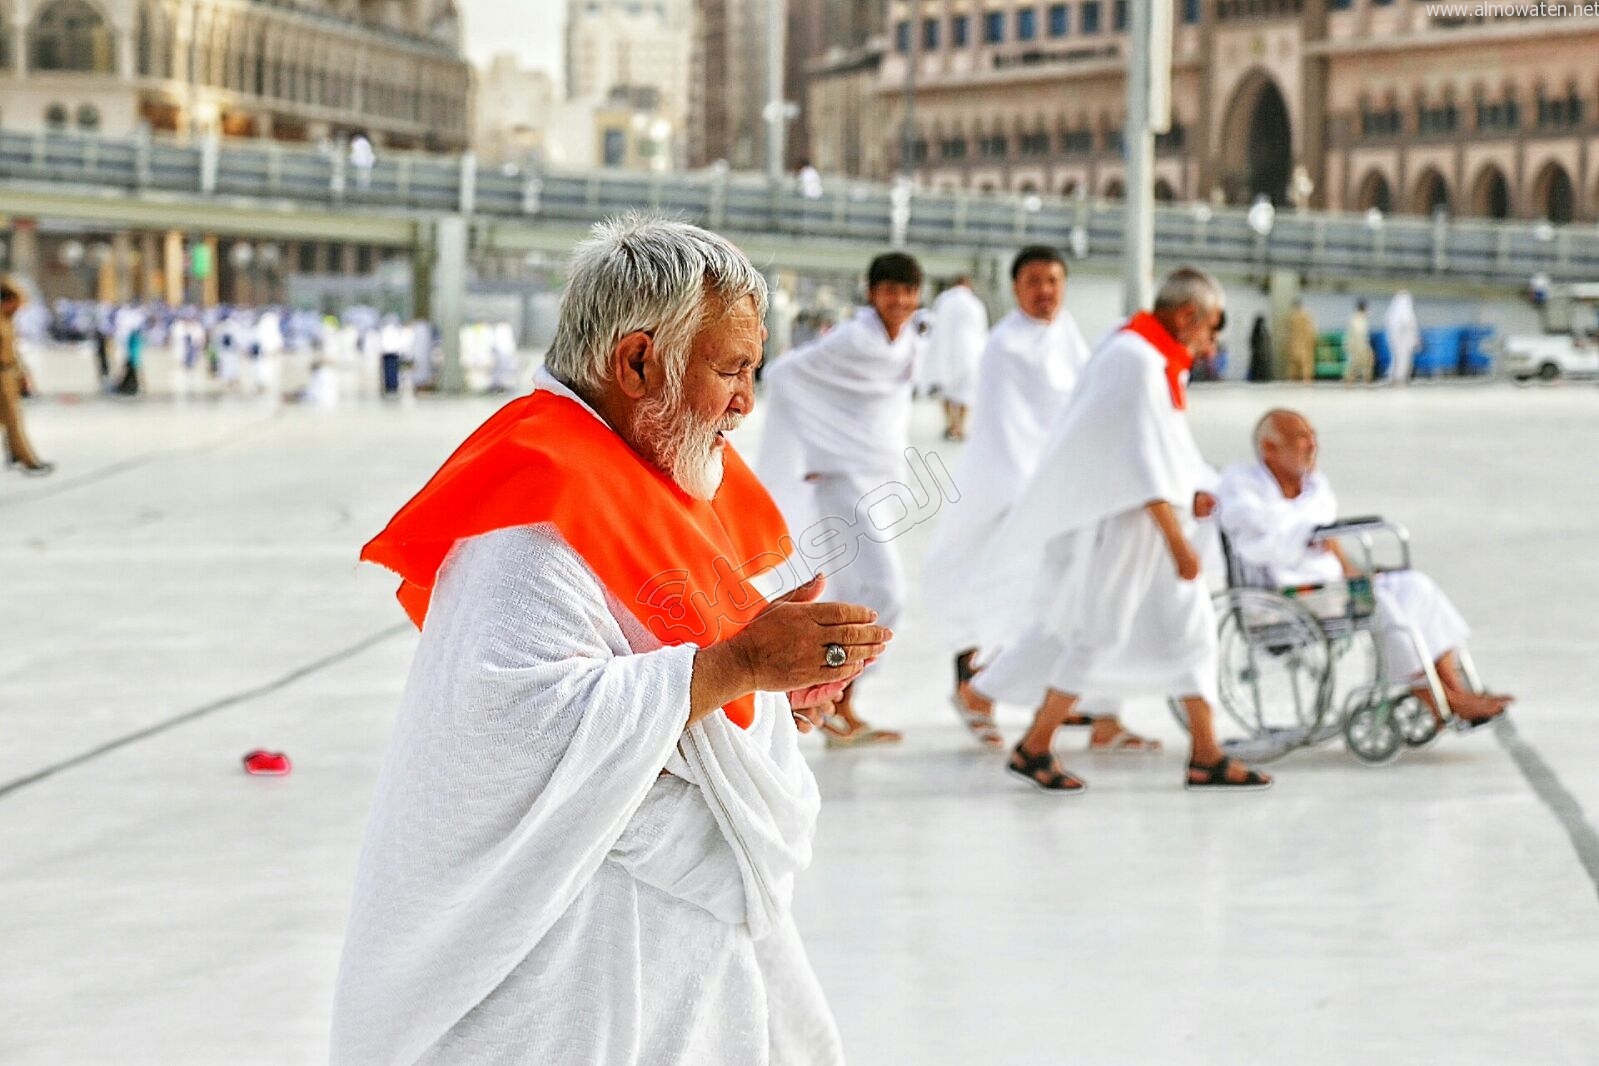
point(1300, 666)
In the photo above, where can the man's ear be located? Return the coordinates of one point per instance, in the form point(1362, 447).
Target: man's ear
point(631, 364)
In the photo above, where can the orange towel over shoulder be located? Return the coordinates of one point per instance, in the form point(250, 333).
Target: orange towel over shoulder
point(681, 565)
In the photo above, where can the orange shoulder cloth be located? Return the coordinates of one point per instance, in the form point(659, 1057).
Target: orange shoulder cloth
point(681, 565)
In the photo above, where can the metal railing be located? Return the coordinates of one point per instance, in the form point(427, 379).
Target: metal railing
point(1316, 243)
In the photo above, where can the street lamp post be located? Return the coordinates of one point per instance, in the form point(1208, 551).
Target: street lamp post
point(1148, 113)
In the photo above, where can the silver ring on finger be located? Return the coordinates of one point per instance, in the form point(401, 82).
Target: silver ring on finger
point(836, 655)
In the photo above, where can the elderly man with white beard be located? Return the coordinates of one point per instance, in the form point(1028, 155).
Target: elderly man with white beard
point(586, 833)
point(837, 427)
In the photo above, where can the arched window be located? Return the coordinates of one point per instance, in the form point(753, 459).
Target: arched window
point(1164, 193)
point(88, 118)
point(72, 35)
point(55, 116)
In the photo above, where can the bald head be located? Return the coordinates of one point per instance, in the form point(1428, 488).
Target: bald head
point(1286, 442)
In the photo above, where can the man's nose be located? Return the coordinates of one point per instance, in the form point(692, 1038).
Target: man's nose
point(743, 401)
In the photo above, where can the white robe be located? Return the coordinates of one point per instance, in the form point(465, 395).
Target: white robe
point(960, 322)
point(1081, 590)
point(1270, 537)
point(838, 411)
point(1025, 380)
point(1403, 334)
point(532, 888)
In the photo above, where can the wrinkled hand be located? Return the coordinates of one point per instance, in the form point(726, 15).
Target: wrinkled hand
point(1187, 560)
point(784, 649)
point(1204, 505)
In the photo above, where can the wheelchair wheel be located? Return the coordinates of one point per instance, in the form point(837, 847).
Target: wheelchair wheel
point(1372, 732)
point(1275, 674)
point(1417, 724)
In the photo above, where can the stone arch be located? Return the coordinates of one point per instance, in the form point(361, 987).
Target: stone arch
point(1554, 196)
point(1164, 193)
point(1431, 192)
point(1490, 193)
point(1257, 139)
point(72, 35)
point(1374, 191)
point(1114, 189)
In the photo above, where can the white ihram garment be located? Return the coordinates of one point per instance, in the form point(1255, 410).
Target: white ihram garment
point(1025, 380)
point(960, 328)
point(1082, 591)
point(838, 412)
point(532, 888)
point(1403, 333)
point(1270, 535)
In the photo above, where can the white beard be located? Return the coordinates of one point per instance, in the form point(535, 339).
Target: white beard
point(687, 448)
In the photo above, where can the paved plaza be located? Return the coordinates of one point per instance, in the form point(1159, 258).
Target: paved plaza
point(185, 589)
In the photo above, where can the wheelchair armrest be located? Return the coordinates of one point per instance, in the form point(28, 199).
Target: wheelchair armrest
point(1351, 523)
point(1364, 529)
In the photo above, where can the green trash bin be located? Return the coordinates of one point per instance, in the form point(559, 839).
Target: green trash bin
point(1330, 356)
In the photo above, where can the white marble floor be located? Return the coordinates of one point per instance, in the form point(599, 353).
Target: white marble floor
point(159, 906)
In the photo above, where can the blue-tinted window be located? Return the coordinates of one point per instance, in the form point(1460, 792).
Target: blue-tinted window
point(994, 27)
point(1026, 24)
point(1059, 20)
point(1191, 10)
point(902, 37)
point(1089, 19)
point(929, 34)
point(960, 30)
point(1120, 16)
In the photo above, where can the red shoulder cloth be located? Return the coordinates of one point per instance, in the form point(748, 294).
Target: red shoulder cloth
point(1179, 360)
point(680, 564)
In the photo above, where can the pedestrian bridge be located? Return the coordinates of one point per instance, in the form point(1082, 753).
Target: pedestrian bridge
point(269, 189)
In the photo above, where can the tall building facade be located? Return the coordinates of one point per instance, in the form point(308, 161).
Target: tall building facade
point(389, 69)
point(1359, 103)
point(729, 86)
point(630, 53)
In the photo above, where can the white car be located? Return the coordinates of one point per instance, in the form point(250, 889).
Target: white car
point(1551, 356)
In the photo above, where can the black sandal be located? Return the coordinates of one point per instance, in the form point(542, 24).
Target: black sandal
point(1044, 773)
point(1216, 779)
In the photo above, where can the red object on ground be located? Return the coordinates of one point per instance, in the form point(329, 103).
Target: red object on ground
point(269, 763)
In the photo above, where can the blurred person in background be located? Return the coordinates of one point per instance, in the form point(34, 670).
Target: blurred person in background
point(1358, 358)
point(960, 329)
point(837, 428)
point(19, 450)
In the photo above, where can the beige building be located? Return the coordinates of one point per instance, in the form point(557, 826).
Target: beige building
point(514, 113)
point(633, 47)
point(1380, 103)
point(390, 69)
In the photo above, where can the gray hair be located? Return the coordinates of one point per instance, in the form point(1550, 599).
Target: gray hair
point(644, 273)
point(1266, 428)
point(1189, 285)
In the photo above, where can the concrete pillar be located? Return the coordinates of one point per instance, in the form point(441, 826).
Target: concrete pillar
point(149, 267)
point(25, 247)
point(449, 296)
point(123, 265)
point(172, 275)
point(210, 293)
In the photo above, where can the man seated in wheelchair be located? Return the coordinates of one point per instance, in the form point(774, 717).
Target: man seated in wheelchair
point(1271, 510)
